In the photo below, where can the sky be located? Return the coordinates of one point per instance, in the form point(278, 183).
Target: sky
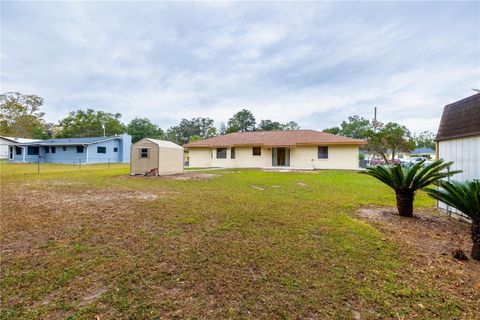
point(315, 63)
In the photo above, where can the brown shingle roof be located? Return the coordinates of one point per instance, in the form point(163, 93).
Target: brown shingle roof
point(460, 119)
point(274, 138)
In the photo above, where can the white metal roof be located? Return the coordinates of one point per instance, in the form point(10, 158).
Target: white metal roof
point(165, 144)
point(20, 140)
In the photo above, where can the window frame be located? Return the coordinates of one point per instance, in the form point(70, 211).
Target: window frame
point(104, 149)
point(47, 149)
point(322, 155)
point(232, 153)
point(144, 153)
point(18, 151)
point(80, 148)
point(258, 149)
point(35, 152)
point(218, 150)
point(53, 149)
point(64, 148)
point(115, 149)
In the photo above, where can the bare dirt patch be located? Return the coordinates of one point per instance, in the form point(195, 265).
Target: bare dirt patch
point(433, 237)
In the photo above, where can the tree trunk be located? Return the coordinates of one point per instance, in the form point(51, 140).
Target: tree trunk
point(476, 240)
point(405, 203)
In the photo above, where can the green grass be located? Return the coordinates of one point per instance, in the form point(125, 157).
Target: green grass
point(80, 243)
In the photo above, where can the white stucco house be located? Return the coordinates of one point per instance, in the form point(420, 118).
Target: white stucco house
point(7, 145)
point(458, 139)
point(296, 149)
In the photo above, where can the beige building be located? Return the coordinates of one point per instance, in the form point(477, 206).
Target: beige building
point(299, 149)
point(156, 156)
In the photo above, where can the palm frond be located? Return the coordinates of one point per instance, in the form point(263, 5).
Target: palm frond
point(463, 196)
point(411, 179)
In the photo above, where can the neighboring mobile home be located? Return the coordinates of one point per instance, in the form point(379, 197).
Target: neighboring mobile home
point(159, 156)
point(7, 145)
point(298, 149)
point(458, 138)
point(75, 150)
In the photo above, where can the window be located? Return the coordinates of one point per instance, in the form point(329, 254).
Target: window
point(54, 149)
point(33, 151)
point(232, 153)
point(64, 148)
point(322, 152)
point(257, 151)
point(144, 153)
point(101, 149)
point(18, 151)
point(221, 153)
point(79, 149)
point(115, 149)
point(47, 149)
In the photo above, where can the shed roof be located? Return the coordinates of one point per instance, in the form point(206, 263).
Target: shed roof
point(165, 144)
point(274, 138)
point(460, 119)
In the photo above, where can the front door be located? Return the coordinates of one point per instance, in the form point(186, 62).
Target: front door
point(281, 157)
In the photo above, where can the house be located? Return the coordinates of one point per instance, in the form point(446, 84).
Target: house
point(302, 149)
point(458, 138)
point(75, 150)
point(428, 153)
point(157, 156)
point(7, 145)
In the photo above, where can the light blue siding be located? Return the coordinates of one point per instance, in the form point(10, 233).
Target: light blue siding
point(116, 150)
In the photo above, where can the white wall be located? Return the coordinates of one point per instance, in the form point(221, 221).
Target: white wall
point(465, 154)
point(4, 148)
point(200, 157)
point(339, 157)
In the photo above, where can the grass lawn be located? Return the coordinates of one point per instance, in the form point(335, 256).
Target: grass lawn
point(235, 244)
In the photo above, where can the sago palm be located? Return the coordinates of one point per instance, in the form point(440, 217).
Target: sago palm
point(405, 181)
point(465, 197)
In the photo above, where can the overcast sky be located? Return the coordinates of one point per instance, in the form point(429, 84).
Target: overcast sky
point(314, 63)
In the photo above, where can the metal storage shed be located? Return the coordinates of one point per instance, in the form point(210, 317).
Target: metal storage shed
point(156, 157)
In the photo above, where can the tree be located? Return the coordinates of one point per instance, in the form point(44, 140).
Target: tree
point(269, 125)
point(202, 127)
point(243, 120)
point(406, 181)
point(333, 130)
point(20, 115)
point(425, 139)
point(140, 128)
point(222, 129)
point(392, 138)
point(356, 127)
point(465, 197)
point(90, 123)
point(291, 125)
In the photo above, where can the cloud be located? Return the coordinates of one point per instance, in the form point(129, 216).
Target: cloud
point(314, 63)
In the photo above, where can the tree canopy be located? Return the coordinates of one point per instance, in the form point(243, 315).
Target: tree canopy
point(243, 120)
point(182, 133)
point(90, 123)
point(140, 128)
point(425, 139)
point(355, 127)
point(20, 116)
point(391, 138)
